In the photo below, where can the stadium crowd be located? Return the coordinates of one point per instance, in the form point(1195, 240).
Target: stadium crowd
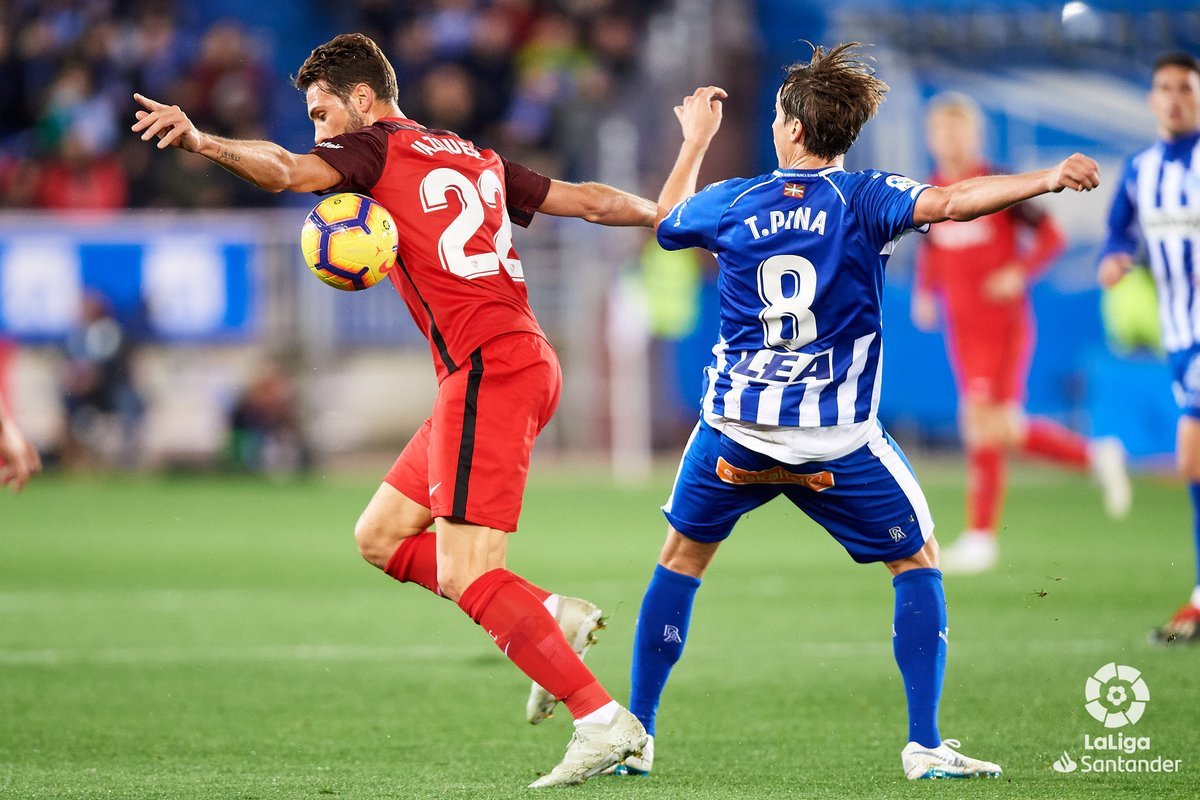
point(527, 76)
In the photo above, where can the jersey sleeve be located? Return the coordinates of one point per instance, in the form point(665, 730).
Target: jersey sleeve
point(1122, 216)
point(359, 156)
point(885, 205)
point(525, 191)
point(695, 221)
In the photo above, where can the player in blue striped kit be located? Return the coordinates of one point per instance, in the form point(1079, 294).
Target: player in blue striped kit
point(1157, 205)
point(792, 392)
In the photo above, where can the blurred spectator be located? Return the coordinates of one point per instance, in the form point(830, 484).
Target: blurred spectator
point(447, 101)
point(16, 117)
point(531, 75)
point(104, 410)
point(265, 434)
point(78, 179)
point(227, 83)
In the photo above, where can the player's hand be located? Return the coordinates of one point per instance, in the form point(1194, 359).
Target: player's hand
point(19, 460)
point(1005, 284)
point(168, 123)
point(924, 312)
point(1113, 268)
point(1077, 172)
point(700, 114)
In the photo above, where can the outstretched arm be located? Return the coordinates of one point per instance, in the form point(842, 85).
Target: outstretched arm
point(18, 458)
point(598, 202)
point(977, 197)
point(264, 164)
point(700, 118)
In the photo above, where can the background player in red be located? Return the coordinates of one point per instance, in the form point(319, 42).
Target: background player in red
point(464, 470)
point(981, 271)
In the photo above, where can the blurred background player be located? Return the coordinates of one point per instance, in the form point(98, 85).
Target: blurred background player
point(102, 404)
point(791, 395)
point(1155, 206)
point(499, 381)
point(981, 271)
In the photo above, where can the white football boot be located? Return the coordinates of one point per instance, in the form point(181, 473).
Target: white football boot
point(970, 554)
point(594, 748)
point(1108, 468)
point(943, 762)
point(579, 621)
point(636, 765)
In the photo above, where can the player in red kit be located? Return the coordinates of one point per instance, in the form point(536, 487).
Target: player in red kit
point(464, 471)
point(981, 271)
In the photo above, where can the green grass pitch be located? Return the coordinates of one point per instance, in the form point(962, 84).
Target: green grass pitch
point(220, 638)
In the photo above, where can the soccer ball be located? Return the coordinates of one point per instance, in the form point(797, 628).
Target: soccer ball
point(349, 241)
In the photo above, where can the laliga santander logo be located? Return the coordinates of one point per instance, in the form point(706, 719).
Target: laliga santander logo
point(1116, 695)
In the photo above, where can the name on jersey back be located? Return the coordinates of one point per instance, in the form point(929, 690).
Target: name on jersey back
point(432, 145)
point(797, 219)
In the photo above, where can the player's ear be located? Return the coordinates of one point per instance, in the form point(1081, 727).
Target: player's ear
point(796, 131)
point(363, 97)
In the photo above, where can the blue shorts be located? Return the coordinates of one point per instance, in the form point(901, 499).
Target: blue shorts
point(1185, 369)
point(868, 500)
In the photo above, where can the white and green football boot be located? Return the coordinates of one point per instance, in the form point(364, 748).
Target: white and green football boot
point(943, 762)
point(636, 765)
point(594, 748)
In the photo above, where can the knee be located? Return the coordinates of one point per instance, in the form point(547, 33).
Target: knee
point(685, 564)
point(925, 558)
point(686, 556)
point(376, 542)
point(453, 581)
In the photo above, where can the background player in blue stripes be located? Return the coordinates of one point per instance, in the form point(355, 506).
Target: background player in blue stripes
point(792, 391)
point(1157, 205)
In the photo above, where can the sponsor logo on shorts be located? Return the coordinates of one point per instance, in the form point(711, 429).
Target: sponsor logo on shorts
point(897, 533)
point(817, 481)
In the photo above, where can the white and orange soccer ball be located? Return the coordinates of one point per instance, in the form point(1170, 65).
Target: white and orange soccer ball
point(349, 241)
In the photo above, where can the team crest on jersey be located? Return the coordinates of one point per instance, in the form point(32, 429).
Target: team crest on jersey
point(900, 183)
point(795, 190)
point(728, 473)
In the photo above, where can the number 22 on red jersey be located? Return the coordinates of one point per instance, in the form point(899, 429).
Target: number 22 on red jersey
point(477, 242)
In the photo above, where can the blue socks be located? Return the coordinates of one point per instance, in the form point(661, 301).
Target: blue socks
point(662, 627)
point(919, 641)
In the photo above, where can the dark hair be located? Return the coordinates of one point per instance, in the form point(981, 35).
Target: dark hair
point(1177, 58)
point(344, 62)
point(832, 95)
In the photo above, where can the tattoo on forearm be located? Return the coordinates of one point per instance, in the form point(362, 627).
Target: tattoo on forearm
point(230, 156)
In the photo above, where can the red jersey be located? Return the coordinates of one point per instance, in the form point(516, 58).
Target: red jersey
point(454, 206)
point(956, 258)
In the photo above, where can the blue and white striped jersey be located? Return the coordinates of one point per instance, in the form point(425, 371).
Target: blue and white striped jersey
point(801, 257)
point(1158, 204)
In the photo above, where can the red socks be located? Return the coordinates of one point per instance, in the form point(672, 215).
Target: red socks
point(985, 487)
point(415, 561)
point(512, 610)
point(526, 633)
point(1054, 442)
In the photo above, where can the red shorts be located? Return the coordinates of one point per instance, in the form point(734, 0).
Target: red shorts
point(992, 364)
point(469, 461)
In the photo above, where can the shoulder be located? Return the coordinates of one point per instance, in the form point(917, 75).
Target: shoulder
point(875, 180)
point(733, 190)
point(717, 198)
